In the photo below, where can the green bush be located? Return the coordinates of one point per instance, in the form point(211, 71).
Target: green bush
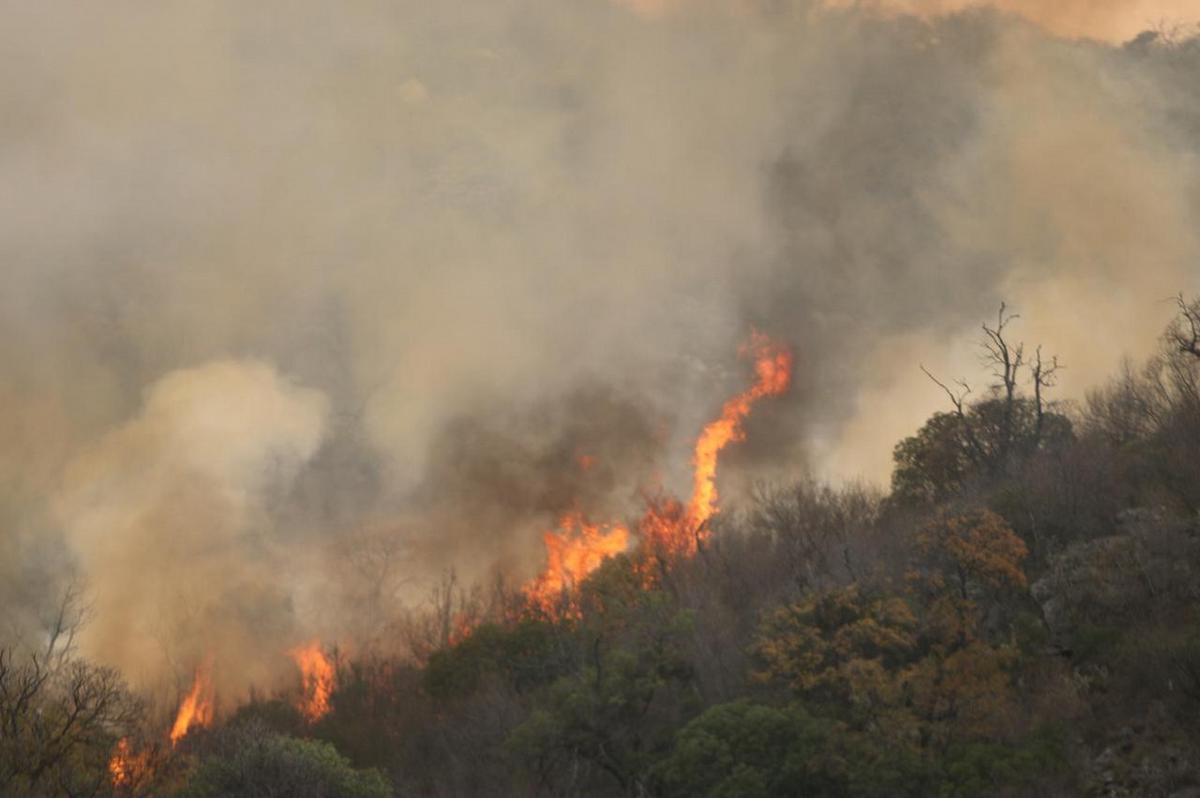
point(248, 761)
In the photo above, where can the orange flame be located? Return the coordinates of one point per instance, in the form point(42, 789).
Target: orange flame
point(197, 706)
point(773, 373)
point(317, 675)
point(463, 624)
point(667, 525)
point(573, 552)
point(125, 767)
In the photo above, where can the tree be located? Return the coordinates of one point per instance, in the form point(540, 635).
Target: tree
point(972, 553)
point(985, 439)
point(1184, 333)
point(521, 656)
point(966, 567)
point(248, 761)
point(745, 749)
point(1151, 417)
point(814, 531)
point(605, 722)
point(842, 647)
point(58, 727)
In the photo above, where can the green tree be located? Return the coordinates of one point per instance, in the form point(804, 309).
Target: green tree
point(248, 761)
point(745, 750)
point(980, 442)
point(615, 714)
point(522, 656)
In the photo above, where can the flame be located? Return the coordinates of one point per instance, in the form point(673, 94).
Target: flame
point(773, 373)
point(463, 624)
point(667, 525)
point(317, 676)
point(665, 528)
point(572, 552)
point(196, 708)
point(126, 767)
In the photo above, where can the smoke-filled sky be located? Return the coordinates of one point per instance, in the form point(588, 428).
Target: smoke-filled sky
point(288, 281)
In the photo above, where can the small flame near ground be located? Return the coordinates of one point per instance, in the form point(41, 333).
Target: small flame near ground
point(668, 527)
point(461, 626)
point(127, 767)
point(317, 678)
point(196, 709)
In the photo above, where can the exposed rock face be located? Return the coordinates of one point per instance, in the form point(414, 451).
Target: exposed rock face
point(1148, 758)
point(1118, 606)
point(1097, 583)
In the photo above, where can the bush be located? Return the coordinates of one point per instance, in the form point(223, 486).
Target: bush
point(248, 761)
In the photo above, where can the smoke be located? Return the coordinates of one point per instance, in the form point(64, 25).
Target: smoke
point(291, 281)
point(169, 514)
point(1110, 20)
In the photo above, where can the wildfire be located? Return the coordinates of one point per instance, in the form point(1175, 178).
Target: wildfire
point(461, 626)
point(572, 552)
point(773, 374)
point(317, 677)
point(197, 706)
point(676, 529)
point(668, 526)
point(126, 767)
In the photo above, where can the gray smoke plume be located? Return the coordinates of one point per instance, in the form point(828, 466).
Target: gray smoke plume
point(290, 282)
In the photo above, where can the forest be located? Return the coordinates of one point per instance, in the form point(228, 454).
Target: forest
point(1017, 615)
point(589, 398)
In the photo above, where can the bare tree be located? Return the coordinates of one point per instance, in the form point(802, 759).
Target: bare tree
point(374, 560)
point(59, 726)
point(70, 615)
point(994, 429)
point(1004, 358)
point(1045, 377)
point(1184, 333)
point(450, 612)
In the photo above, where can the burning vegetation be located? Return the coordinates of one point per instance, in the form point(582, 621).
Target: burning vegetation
point(893, 631)
point(126, 766)
point(573, 551)
point(896, 632)
point(196, 708)
point(375, 424)
point(317, 679)
point(577, 548)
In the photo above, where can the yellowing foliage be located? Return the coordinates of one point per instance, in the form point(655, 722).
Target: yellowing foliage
point(975, 549)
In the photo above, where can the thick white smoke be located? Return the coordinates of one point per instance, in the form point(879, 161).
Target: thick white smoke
point(168, 516)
